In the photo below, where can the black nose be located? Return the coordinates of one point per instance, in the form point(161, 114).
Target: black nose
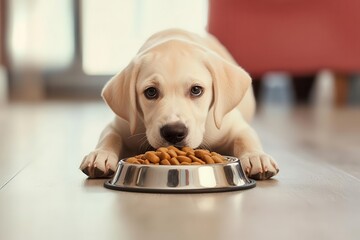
point(174, 133)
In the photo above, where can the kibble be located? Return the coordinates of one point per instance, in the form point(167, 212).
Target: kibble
point(152, 157)
point(174, 156)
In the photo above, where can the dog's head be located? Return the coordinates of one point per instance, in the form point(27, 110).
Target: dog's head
point(172, 87)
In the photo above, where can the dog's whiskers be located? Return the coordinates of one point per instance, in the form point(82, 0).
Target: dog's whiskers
point(205, 145)
point(143, 146)
point(137, 135)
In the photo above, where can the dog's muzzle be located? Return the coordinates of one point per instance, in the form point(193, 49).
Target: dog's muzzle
point(174, 133)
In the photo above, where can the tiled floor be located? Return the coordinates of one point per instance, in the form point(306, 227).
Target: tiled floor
point(43, 195)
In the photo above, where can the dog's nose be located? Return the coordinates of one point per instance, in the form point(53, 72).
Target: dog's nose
point(174, 133)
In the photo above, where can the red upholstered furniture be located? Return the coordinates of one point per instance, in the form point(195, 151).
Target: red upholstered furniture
point(297, 36)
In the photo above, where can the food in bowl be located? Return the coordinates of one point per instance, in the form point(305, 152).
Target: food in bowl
point(174, 156)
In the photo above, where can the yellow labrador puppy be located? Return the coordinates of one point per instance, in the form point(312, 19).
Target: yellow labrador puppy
point(184, 90)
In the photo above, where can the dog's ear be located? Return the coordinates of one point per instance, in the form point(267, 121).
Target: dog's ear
point(120, 94)
point(230, 83)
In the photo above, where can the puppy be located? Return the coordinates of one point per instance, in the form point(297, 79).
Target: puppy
point(185, 90)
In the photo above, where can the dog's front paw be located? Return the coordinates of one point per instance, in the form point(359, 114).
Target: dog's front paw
point(99, 164)
point(259, 165)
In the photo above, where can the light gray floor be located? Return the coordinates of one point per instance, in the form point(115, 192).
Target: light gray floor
point(44, 196)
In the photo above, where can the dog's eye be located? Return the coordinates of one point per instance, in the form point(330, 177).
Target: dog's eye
point(196, 91)
point(151, 93)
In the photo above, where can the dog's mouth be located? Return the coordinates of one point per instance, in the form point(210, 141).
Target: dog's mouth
point(165, 143)
point(178, 145)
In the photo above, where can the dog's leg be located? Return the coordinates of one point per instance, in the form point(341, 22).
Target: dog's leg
point(255, 162)
point(102, 162)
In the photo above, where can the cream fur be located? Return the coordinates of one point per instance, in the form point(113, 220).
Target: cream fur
point(173, 61)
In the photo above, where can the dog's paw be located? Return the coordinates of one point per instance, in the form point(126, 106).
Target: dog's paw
point(259, 165)
point(99, 164)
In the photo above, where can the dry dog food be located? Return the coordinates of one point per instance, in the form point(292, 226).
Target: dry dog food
point(175, 156)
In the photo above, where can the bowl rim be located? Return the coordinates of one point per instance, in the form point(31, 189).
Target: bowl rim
point(201, 165)
point(251, 184)
point(248, 184)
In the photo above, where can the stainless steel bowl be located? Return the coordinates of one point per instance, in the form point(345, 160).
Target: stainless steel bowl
point(180, 179)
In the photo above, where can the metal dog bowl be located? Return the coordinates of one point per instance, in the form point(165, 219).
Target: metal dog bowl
point(180, 178)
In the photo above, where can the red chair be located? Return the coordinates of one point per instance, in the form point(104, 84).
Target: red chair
point(300, 37)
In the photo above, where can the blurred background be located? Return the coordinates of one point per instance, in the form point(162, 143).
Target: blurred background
point(56, 55)
point(298, 52)
point(70, 48)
